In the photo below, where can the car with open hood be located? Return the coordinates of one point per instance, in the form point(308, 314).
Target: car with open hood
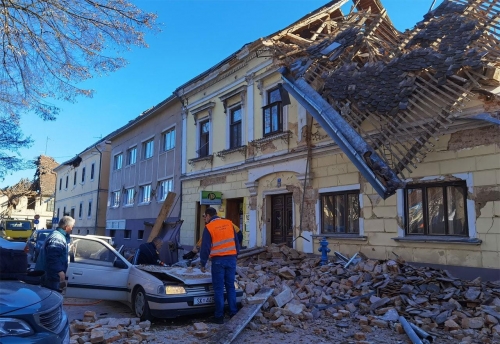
point(97, 271)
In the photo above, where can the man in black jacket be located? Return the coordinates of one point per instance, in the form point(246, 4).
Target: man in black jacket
point(149, 253)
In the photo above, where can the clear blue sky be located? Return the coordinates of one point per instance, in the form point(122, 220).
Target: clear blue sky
point(196, 34)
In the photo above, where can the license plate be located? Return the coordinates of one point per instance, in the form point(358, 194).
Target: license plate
point(203, 300)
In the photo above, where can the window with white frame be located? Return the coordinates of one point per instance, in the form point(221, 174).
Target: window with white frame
point(74, 178)
point(115, 199)
point(50, 205)
point(89, 211)
point(127, 234)
point(340, 212)
point(165, 187)
point(273, 112)
point(438, 209)
point(169, 139)
point(129, 196)
point(235, 137)
point(145, 193)
point(132, 156)
point(83, 175)
point(60, 183)
point(67, 181)
point(92, 170)
point(204, 146)
point(148, 149)
point(118, 161)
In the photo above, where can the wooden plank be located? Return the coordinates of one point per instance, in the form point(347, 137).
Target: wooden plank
point(230, 330)
point(164, 211)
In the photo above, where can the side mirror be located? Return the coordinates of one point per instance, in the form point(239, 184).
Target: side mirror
point(120, 264)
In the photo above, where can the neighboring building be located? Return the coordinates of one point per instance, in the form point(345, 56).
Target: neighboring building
point(82, 188)
point(145, 165)
point(414, 169)
point(32, 200)
point(244, 146)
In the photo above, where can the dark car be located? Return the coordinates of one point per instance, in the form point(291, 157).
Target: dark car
point(31, 314)
point(36, 241)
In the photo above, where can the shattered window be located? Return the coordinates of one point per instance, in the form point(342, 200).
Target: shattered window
point(272, 112)
point(436, 209)
point(340, 212)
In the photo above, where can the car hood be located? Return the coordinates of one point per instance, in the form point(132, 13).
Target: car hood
point(16, 295)
point(189, 276)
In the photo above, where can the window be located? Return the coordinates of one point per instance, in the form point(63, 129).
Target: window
point(169, 140)
point(117, 161)
point(31, 203)
point(340, 212)
point(50, 205)
point(57, 213)
point(132, 156)
point(127, 234)
point(165, 187)
point(64, 211)
point(112, 233)
point(83, 175)
point(60, 183)
point(74, 178)
point(115, 199)
point(92, 168)
point(140, 234)
point(436, 209)
point(80, 210)
point(72, 214)
point(235, 128)
point(273, 114)
point(89, 211)
point(129, 196)
point(148, 149)
point(67, 180)
point(145, 193)
point(204, 148)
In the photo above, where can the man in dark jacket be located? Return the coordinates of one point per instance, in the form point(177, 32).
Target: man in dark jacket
point(149, 253)
point(53, 257)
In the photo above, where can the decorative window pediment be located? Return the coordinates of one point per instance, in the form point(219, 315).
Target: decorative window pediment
point(205, 107)
point(241, 91)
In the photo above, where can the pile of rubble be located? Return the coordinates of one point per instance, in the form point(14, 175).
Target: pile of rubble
point(109, 330)
point(374, 293)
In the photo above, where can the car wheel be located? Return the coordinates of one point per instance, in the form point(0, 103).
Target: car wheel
point(141, 307)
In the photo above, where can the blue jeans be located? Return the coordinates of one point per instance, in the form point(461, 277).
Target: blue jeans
point(54, 285)
point(223, 271)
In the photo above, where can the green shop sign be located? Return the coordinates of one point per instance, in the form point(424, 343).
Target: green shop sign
point(211, 197)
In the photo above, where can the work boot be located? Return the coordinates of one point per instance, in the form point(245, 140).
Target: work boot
point(215, 320)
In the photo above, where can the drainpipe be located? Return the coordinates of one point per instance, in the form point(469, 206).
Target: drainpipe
point(98, 185)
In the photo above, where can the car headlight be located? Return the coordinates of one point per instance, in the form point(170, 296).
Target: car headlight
point(172, 289)
point(14, 327)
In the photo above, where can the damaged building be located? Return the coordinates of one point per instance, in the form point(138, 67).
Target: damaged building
point(341, 127)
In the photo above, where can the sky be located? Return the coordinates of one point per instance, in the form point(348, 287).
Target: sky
point(195, 35)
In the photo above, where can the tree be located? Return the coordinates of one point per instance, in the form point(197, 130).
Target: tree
point(48, 46)
point(11, 139)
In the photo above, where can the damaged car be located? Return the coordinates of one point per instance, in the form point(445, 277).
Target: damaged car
point(97, 271)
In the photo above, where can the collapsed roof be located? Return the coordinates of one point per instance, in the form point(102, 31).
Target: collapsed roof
point(382, 94)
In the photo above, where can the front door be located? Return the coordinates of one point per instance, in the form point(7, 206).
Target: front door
point(282, 219)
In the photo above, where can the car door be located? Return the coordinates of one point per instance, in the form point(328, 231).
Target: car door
point(96, 271)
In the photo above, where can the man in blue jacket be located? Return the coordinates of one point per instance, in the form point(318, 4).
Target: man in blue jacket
point(53, 257)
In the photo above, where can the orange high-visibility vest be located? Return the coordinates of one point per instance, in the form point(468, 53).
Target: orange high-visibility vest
point(222, 233)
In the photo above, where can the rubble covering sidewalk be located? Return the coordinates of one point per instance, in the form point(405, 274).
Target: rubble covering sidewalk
point(372, 292)
point(369, 295)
